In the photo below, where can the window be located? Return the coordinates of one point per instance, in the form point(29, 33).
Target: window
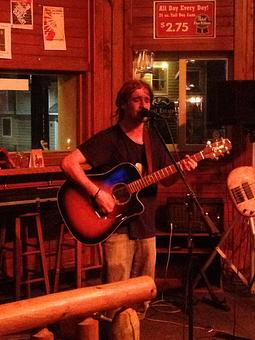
point(39, 115)
point(159, 79)
point(6, 127)
point(183, 93)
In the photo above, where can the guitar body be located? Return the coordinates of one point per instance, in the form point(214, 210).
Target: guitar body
point(80, 213)
point(241, 185)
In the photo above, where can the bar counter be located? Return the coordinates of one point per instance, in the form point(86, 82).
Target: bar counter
point(30, 185)
point(27, 185)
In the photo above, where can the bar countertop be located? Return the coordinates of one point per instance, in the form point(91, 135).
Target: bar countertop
point(27, 177)
point(30, 171)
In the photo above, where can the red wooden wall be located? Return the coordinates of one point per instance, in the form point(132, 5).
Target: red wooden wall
point(142, 28)
point(27, 45)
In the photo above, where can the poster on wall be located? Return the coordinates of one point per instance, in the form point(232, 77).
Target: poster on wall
point(5, 41)
point(53, 28)
point(184, 19)
point(22, 14)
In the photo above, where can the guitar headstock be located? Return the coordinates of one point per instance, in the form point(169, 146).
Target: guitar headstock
point(216, 149)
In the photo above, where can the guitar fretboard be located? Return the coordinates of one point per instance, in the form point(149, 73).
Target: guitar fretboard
point(159, 175)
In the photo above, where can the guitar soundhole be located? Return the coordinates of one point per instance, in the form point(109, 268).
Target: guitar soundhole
point(120, 193)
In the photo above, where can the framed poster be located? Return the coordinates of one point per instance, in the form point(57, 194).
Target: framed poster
point(22, 14)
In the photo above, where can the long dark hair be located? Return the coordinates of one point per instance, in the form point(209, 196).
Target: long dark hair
point(125, 93)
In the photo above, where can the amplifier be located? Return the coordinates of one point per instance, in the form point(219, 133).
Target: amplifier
point(177, 212)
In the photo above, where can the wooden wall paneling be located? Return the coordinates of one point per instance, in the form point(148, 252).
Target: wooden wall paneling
point(27, 45)
point(101, 64)
point(250, 40)
point(87, 88)
point(244, 66)
point(5, 11)
point(83, 116)
point(96, 63)
point(107, 63)
point(105, 115)
point(118, 51)
point(128, 41)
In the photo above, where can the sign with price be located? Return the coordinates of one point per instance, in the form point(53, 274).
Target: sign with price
point(184, 19)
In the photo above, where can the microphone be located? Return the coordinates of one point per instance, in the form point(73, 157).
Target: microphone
point(148, 113)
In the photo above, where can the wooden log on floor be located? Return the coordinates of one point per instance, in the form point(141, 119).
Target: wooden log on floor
point(48, 309)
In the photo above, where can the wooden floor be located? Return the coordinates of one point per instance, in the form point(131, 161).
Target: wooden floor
point(234, 319)
point(230, 316)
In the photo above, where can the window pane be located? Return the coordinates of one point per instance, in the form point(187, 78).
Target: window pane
point(165, 84)
point(201, 77)
point(7, 127)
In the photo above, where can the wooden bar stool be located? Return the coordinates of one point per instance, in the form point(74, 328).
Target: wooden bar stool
point(3, 246)
point(78, 262)
point(29, 243)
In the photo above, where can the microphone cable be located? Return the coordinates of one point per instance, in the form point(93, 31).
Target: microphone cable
point(162, 302)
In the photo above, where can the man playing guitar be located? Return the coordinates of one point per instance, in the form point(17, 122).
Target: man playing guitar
point(129, 249)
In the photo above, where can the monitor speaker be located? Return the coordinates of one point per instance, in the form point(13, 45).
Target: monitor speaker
point(232, 102)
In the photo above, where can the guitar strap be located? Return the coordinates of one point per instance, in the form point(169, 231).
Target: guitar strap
point(147, 145)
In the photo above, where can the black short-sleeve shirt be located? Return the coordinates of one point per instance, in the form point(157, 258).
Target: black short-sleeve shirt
point(111, 147)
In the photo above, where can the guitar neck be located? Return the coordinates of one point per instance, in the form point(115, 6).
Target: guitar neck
point(159, 175)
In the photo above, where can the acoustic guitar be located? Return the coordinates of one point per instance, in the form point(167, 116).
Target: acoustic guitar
point(241, 186)
point(81, 213)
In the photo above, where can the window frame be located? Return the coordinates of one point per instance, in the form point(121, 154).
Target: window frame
point(68, 129)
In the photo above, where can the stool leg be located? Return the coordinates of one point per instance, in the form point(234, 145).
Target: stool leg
point(58, 259)
point(43, 256)
point(96, 255)
point(2, 243)
point(26, 271)
point(100, 253)
point(92, 250)
point(78, 256)
point(18, 259)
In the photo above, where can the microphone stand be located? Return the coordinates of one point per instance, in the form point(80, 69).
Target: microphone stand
point(152, 117)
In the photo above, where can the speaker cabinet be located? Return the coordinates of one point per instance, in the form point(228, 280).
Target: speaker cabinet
point(232, 102)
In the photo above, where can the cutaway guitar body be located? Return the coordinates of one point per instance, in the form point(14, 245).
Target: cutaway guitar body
point(81, 214)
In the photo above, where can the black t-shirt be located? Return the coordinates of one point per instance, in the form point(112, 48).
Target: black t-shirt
point(111, 147)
